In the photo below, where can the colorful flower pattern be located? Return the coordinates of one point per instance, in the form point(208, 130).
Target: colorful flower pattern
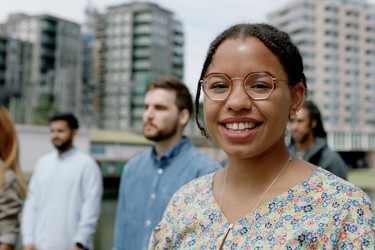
point(322, 212)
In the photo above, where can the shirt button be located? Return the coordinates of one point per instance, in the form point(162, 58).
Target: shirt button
point(153, 195)
point(148, 223)
point(160, 171)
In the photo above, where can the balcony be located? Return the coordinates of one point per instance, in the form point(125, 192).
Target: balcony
point(48, 26)
point(48, 41)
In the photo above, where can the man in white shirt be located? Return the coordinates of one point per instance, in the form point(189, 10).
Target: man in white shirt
point(62, 206)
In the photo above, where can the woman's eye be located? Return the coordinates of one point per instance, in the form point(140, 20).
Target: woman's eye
point(260, 85)
point(219, 85)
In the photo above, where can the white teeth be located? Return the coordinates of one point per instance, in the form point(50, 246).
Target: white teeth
point(239, 126)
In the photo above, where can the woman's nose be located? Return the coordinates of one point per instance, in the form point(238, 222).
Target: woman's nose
point(238, 99)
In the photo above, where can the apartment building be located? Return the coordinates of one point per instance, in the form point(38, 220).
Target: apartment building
point(15, 62)
point(337, 41)
point(54, 83)
point(142, 42)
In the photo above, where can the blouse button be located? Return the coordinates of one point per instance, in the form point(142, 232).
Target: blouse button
point(160, 171)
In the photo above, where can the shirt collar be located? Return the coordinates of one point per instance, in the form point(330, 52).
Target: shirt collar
point(170, 154)
point(67, 154)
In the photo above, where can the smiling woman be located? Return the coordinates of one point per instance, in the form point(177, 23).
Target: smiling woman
point(253, 84)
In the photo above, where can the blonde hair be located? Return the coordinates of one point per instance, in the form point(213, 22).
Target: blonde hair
point(9, 150)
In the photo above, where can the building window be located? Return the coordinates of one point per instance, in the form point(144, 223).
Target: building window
point(370, 87)
point(331, 33)
point(352, 37)
point(306, 55)
point(351, 49)
point(303, 18)
point(352, 85)
point(352, 13)
point(352, 72)
point(352, 121)
point(331, 106)
point(331, 57)
point(370, 40)
point(331, 94)
point(331, 119)
point(331, 82)
point(333, 21)
point(354, 98)
point(331, 9)
point(310, 81)
point(303, 31)
point(352, 60)
point(352, 25)
point(303, 6)
point(370, 111)
point(330, 45)
point(307, 43)
point(331, 69)
point(309, 67)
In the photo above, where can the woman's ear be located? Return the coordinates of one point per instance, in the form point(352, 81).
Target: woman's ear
point(314, 123)
point(298, 95)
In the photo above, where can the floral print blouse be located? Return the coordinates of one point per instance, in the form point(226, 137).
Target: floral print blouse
point(322, 212)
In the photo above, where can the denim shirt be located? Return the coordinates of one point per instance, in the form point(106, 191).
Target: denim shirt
point(147, 184)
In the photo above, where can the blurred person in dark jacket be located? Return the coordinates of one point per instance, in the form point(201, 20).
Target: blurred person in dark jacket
point(309, 143)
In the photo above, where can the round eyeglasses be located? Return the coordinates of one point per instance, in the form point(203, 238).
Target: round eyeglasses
point(257, 85)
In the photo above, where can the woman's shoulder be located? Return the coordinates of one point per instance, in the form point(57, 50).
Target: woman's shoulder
point(9, 175)
point(199, 184)
point(10, 180)
point(335, 187)
point(197, 189)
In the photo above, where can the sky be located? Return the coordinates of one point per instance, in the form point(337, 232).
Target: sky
point(202, 20)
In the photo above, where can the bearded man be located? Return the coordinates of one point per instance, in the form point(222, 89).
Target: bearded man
point(309, 141)
point(63, 201)
point(149, 180)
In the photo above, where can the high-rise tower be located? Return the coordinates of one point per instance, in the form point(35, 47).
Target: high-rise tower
point(55, 80)
point(142, 42)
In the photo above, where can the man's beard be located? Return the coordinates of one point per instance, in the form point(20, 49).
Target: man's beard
point(304, 138)
point(64, 146)
point(162, 135)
